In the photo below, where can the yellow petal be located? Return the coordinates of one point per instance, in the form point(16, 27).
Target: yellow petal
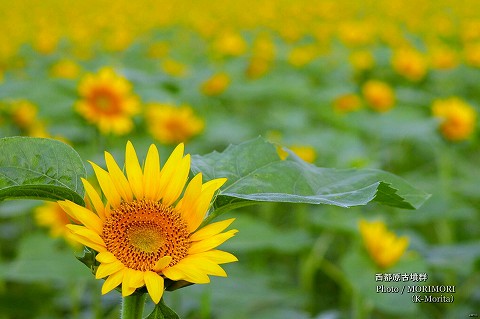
point(113, 281)
point(106, 257)
point(107, 269)
point(118, 178)
point(87, 242)
point(95, 199)
point(155, 285)
point(203, 203)
point(173, 273)
point(205, 265)
point(83, 215)
point(211, 230)
point(131, 281)
point(210, 243)
point(186, 272)
point(192, 193)
point(134, 171)
point(217, 256)
point(107, 185)
point(127, 291)
point(162, 263)
point(85, 232)
point(151, 174)
point(134, 278)
point(174, 175)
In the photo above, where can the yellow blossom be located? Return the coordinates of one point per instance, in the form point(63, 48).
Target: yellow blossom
point(257, 67)
point(149, 227)
point(410, 64)
point(171, 124)
point(66, 69)
point(46, 42)
point(302, 55)
point(356, 33)
point(24, 113)
point(107, 101)
point(443, 58)
point(52, 216)
point(472, 54)
point(305, 152)
point(384, 247)
point(378, 95)
point(458, 119)
point(216, 84)
point(347, 103)
point(230, 43)
point(361, 60)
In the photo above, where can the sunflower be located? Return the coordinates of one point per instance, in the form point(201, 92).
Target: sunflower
point(107, 101)
point(384, 246)
point(171, 124)
point(145, 233)
point(52, 216)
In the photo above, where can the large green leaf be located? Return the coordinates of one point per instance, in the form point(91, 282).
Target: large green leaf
point(40, 168)
point(256, 173)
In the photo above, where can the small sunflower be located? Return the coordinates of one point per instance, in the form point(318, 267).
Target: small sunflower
point(171, 124)
point(107, 101)
point(145, 233)
point(52, 216)
point(384, 246)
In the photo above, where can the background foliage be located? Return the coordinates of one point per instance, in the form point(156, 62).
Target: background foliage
point(285, 71)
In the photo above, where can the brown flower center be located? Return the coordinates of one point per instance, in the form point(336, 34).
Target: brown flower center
point(141, 232)
point(105, 101)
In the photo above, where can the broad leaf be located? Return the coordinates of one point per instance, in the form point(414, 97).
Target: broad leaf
point(162, 311)
point(256, 173)
point(40, 168)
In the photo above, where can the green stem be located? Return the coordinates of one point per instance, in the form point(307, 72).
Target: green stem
point(132, 306)
point(445, 171)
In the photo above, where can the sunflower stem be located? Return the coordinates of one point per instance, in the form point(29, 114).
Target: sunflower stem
point(132, 306)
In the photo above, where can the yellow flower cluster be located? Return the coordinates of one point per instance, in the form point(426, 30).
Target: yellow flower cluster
point(88, 25)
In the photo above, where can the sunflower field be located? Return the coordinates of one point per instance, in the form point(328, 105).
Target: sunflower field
point(239, 159)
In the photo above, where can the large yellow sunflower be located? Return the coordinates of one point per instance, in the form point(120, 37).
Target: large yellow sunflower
point(107, 101)
point(145, 233)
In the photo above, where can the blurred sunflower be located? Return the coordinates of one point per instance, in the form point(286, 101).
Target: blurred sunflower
point(457, 117)
point(65, 69)
point(145, 234)
point(216, 84)
point(107, 101)
point(171, 124)
point(305, 152)
point(410, 64)
point(347, 103)
point(378, 95)
point(52, 216)
point(384, 247)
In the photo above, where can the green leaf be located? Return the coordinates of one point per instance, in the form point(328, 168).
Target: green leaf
point(162, 311)
point(256, 173)
point(40, 168)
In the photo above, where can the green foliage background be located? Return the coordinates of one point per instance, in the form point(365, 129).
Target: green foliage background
point(296, 260)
